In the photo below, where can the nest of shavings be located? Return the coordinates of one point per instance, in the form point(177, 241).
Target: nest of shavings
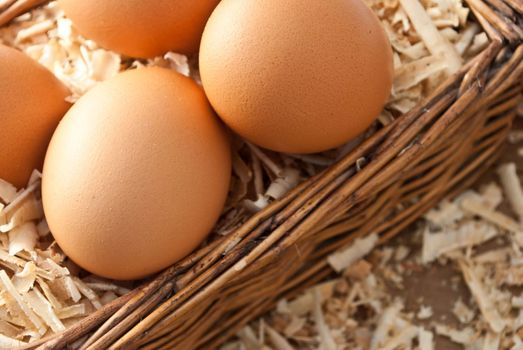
point(43, 292)
point(364, 307)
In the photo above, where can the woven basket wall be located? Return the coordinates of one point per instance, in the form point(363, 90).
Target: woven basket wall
point(437, 149)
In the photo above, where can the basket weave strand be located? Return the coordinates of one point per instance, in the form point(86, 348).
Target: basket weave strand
point(438, 148)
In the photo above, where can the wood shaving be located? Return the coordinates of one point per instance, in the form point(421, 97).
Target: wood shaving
point(469, 234)
point(431, 39)
point(409, 74)
point(304, 304)
point(7, 192)
point(44, 310)
point(515, 136)
point(38, 292)
point(462, 312)
point(326, 338)
point(22, 237)
point(436, 43)
point(492, 341)
point(446, 214)
point(497, 218)
point(512, 187)
point(479, 43)
point(10, 343)
point(465, 336)
point(485, 304)
point(403, 339)
point(425, 339)
point(77, 310)
point(346, 257)
point(401, 253)
point(385, 323)
point(24, 280)
point(277, 340)
point(491, 195)
point(424, 312)
point(21, 304)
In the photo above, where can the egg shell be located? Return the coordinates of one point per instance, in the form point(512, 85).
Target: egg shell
point(296, 76)
point(141, 28)
point(136, 174)
point(32, 103)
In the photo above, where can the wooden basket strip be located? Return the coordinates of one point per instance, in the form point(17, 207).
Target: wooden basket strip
point(504, 106)
point(373, 206)
point(507, 75)
point(80, 329)
point(252, 289)
point(341, 167)
point(516, 5)
point(350, 224)
point(233, 241)
point(252, 311)
point(479, 70)
point(482, 160)
point(403, 219)
point(309, 276)
point(110, 335)
point(505, 9)
point(513, 77)
point(197, 321)
point(513, 91)
point(504, 25)
point(437, 100)
point(148, 291)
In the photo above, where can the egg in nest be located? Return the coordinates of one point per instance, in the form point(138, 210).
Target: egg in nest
point(136, 174)
point(32, 103)
point(297, 76)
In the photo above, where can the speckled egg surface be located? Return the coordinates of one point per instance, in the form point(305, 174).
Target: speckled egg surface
point(136, 174)
point(296, 76)
point(141, 28)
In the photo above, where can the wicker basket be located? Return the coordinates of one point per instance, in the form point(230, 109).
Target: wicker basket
point(438, 148)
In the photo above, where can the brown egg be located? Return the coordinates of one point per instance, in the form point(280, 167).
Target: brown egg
point(296, 76)
point(32, 101)
point(136, 174)
point(141, 28)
